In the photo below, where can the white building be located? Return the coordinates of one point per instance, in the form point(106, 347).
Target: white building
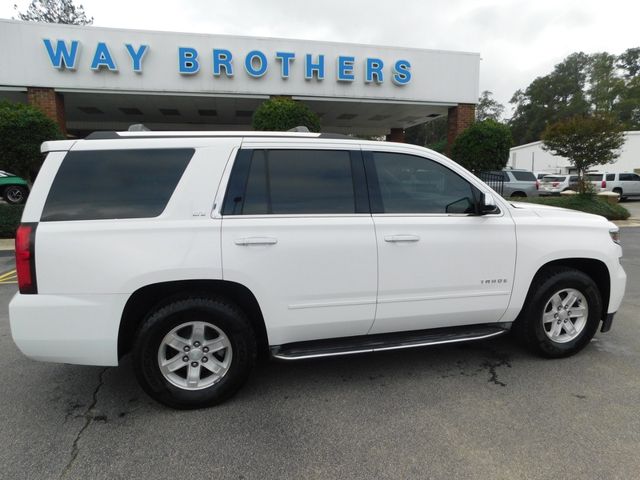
point(532, 157)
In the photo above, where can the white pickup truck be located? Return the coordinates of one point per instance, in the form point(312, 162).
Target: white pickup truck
point(198, 252)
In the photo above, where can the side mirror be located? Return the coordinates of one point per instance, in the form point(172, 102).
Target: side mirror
point(487, 204)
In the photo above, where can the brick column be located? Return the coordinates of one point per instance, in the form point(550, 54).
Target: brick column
point(396, 135)
point(50, 102)
point(458, 119)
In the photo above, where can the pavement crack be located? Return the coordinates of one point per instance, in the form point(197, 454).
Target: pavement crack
point(492, 366)
point(88, 419)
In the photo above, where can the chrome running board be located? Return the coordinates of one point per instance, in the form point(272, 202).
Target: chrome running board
point(386, 341)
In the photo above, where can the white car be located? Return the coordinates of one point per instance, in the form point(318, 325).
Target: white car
point(556, 184)
point(541, 175)
point(197, 252)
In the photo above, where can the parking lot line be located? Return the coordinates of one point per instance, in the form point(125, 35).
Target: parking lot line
point(8, 277)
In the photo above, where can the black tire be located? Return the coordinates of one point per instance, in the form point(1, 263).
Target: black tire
point(15, 194)
point(529, 327)
point(219, 313)
point(518, 195)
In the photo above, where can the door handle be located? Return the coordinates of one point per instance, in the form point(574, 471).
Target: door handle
point(401, 238)
point(256, 241)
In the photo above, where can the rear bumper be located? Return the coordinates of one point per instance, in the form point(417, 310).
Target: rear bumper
point(80, 329)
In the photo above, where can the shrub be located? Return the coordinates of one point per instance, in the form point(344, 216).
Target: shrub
point(22, 129)
point(281, 114)
point(483, 146)
point(9, 219)
point(585, 203)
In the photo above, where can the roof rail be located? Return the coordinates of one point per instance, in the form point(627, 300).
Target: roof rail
point(138, 127)
point(112, 135)
point(102, 135)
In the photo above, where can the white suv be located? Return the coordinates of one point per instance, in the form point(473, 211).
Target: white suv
point(199, 252)
point(625, 184)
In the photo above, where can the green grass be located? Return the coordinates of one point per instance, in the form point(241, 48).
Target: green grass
point(9, 219)
point(584, 203)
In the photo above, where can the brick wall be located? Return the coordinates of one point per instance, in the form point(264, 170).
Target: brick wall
point(50, 102)
point(458, 119)
point(396, 135)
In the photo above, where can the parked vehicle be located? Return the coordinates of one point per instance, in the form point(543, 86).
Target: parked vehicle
point(224, 247)
point(625, 184)
point(518, 183)
point(599, 180)
point(555, 184)
point(13, 189)
point(541, 175)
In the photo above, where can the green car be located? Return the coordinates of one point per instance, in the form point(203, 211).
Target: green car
point(13, 189)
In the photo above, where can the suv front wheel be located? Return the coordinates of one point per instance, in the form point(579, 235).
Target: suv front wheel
point(561, 314)
point(194, 352)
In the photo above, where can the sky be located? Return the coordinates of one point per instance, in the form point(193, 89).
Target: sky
point(517, 40)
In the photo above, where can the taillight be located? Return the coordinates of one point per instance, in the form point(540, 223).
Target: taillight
point(25, 258)
point(555, 184)
point(604, 184)
point(537, 184)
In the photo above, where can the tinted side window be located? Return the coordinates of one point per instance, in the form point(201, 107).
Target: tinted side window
point(611, 176)
point(523, 176)
point(410, 184)
point(104, 184)
point(629, 177)
point(298, 182)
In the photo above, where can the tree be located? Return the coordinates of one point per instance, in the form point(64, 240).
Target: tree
point(483, 146)
point(605, 86)
point(585, 140)
point(628, 107)
point(599, 83)
point(488, 108)
point(629, 62)
point(22, 129)
point(282, 114)
point(55, 11)
point(550, 98)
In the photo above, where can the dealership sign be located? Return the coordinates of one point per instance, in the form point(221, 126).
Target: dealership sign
point(222, 62)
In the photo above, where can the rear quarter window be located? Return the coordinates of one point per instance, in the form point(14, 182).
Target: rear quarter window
point(523, 176)
point(109, 184)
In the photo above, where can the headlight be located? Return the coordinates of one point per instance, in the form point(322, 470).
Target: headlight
point(615, 235)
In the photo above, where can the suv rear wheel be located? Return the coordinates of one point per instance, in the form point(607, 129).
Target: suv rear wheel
point(561, 314)
point(194, 352)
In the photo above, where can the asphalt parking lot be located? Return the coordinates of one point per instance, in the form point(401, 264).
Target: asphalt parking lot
point(482, 410)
